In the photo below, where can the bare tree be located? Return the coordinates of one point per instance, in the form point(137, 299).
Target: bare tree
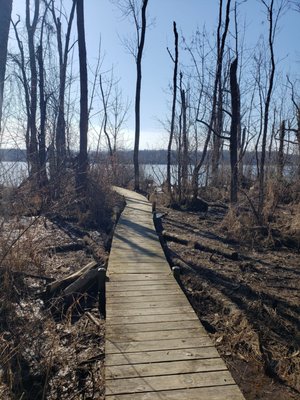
point(5, 14)
point(296, 130)
point(185, 161)
point(42, 104)
point(280, 156)
point(175, 61)
point(137, 12)
point(273, 20)
point(234, 129)
point(218, 75)
point(141, 32)
point(218, 117)
point(81, 180)
point(31, 30)
point(63, 51)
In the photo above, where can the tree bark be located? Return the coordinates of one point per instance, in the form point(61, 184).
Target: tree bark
point(184, 143)
point(81, 180)
point(261, 197)
point(5, 14)
point(24, 80)
point(33, 140)
point(175, 60)
point(43, 179)
point(280, 160)
point(60, 134)
point(235, 122)
point(138, 97)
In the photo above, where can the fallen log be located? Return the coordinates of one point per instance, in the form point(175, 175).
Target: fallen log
point(231, 255)
point(62, 283)
point(81, 284)
point(75, 246)
point(171, 237)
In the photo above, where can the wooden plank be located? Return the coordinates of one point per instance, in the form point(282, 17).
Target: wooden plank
point(146, 299)
point(131, 286)
point(121, 277)
point(124, 310)
point(140, 319)
point(228, 392)
point(151, 292)
point(165, 368)
point(134, 264)
point(146, 304)
point(154, 345)
point(151, 327)
point(161, 356)
point(124, 336)
point(168, 382)
point(141, 270)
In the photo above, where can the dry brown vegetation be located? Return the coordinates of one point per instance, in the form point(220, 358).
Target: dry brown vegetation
point(250, 306)
point(51, 347)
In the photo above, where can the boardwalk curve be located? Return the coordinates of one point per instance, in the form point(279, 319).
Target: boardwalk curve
point(156, 347)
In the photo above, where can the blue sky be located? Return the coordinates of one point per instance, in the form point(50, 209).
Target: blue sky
point(103, 18)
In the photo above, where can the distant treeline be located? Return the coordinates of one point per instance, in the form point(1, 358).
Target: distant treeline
point(145, 156)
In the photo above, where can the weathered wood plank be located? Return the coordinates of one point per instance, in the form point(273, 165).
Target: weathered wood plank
point(121, 277)
point(124, 336)
point(168, 382)
point(161, 356)
point(228, 392)
point(145, 292)
point(141, 270)
point(154, 345)
point(132, 286)
point(151, 327)
point(140, 319)
point(146, 304)
point(124, 310)
point(134, 299)
point(165, 368)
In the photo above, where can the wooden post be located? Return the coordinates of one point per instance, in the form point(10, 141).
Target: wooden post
point(176, 272)
point(101, 290)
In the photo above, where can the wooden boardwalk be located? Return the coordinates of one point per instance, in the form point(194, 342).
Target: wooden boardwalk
point(156, 348)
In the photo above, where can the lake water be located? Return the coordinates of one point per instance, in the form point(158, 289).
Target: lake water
point(12, 173)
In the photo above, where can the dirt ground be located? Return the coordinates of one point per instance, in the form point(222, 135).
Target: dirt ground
point(49, 348)
point(250, 307)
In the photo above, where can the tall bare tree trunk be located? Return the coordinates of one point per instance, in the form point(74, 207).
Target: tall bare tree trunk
point(184, 143)
point(217, 141)
point(81, 180)
point(33, 140)
point(235, 123)
point(221, 47)
point(280, 159)
point(43, 179)
point(5, 14)
point(23, 77)
point(63, 51)
point(138, 97)
point(298, 138)
point(261, 197)
point(175, 60)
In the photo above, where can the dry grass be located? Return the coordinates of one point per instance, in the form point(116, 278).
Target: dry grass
point(43, 357)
